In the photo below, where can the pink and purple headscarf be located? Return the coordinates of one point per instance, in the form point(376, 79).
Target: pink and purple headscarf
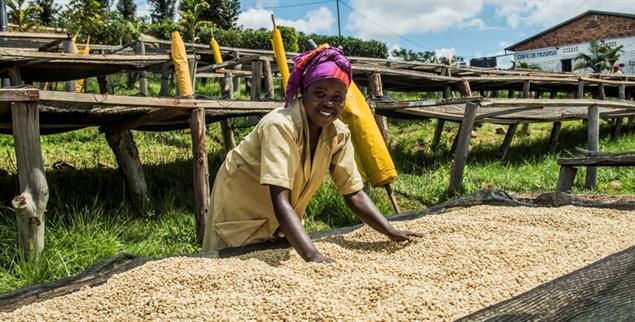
point(320, 63)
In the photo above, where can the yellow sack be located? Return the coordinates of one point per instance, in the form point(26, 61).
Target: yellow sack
point(216, 50)
point(179, 58)
point(371, 154)
point(281, 58)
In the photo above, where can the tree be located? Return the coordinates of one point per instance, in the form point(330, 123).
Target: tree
point(190, 18)
point(86, 16)
point(49, 14)
point(223, 13)
point(127, 9)
point(426, 56)
point(162, 10)
point(24, 18)
point(599, 58)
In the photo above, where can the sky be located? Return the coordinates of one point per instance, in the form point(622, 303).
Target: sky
point(467, 28)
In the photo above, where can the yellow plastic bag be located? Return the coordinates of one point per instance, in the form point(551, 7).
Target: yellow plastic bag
point(179, 58)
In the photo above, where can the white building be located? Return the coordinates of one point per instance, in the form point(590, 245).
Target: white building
point(555, 49)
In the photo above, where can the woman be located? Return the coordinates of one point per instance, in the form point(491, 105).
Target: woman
point(265, 184)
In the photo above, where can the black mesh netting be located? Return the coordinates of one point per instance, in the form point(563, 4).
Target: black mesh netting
point(602, 291)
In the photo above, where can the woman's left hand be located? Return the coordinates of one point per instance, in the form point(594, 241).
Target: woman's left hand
point(399, 235)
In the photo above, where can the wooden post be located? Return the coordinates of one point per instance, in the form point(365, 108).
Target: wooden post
point(227, 86)
point(268, 75)
point(553, 94)
point(102, 81)
point(580, 92)
point(236, 55)
point(68, 48)
point(462, 148)
point(565, 179)
point(524, 130)
point(509, 136)
point(201, 171)
point(376, 91)
point(256, 80)
point(127, 155)
point(553, 138)
point(165, 79)
point(140, 49)
point(510, 93)
point(593, 139)
point(192, 63)
point(438, 130)
point(464, 88)
point(617, 129)
point(447, 92)
point(30, 205)
point(495, 93)
point(601, 92)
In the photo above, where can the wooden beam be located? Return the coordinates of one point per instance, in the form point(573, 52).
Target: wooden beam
point(593, 139)
point(165, 79)
point(30, 205)
point(580, 92)
point(236, 61)
point(526, 89)
point(127, 155)
point(462, 149)
point(201, 172)
point(21, 94)
point(509, 136)
point(464, 88)
point(177, 103)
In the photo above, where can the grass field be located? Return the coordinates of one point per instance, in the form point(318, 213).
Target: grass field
point(89, 220)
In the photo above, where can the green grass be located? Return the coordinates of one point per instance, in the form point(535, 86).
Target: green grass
point(89, 220)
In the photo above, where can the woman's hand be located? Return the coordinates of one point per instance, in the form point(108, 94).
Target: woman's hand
point(398, 235)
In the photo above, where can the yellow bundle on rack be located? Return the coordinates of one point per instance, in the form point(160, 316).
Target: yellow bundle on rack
point(181, 67)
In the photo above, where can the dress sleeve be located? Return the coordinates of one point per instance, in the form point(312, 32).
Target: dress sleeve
point(344, 169)
point(279, 156)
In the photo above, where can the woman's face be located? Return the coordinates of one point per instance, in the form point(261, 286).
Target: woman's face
point(324, 101)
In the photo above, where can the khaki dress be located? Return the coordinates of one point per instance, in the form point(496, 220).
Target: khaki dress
point(277, 153)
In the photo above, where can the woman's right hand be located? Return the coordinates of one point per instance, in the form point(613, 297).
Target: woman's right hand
point(319, 258)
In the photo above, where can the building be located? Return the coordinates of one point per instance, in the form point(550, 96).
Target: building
point(555, 49)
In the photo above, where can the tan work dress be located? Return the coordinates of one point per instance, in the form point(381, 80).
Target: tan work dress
point(277, 153)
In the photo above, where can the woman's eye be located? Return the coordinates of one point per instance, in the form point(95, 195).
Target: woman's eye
point(338, 99)
point(320, 94)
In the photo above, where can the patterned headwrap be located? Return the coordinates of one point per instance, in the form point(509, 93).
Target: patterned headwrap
point(320, 63)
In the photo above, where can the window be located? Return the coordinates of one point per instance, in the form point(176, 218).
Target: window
point(566, 65)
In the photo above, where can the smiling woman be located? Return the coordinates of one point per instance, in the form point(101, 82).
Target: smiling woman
point(265, 184)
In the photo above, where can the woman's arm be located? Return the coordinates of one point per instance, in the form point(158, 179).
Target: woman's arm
point(292, 226)
point(364, 208)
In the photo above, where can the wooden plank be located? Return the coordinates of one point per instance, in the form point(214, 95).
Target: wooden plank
point(70, 86)
point(508, 111)
point(236, 61)
point(463, 144)
point(553, 138)
point(509, 136)
point(580, 92)
point(21, 94)
point(501, 102)
point(155, 102)
point(566, 178)
point(201, 171)
point(30, 205)
point(600, 160)
point(593, 139)
point(526, 88)
point(123, 146)
point(13, 55)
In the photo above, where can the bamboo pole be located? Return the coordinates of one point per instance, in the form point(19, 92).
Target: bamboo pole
point(225, 125)
point(509, 136)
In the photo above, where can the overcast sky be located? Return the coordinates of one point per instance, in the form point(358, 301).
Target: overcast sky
point(468, 28)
